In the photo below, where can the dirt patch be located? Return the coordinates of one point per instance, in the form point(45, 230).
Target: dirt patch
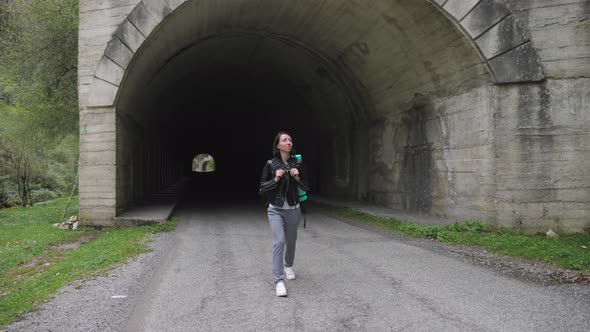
point(76, 244)
point(43, 262)
point(34, 266)
point(34, 262)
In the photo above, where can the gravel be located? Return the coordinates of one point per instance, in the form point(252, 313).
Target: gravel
point(102, 303)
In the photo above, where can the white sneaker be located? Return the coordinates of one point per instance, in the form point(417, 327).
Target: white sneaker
point(281, 289)
point(289, 273)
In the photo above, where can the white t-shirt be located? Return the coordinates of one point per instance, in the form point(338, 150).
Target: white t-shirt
point(285, 205)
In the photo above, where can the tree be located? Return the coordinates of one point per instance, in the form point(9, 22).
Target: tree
point(38, 92)
point(38, 61)
point(22, 149)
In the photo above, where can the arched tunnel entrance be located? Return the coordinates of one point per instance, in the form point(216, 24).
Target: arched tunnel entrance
point(229, 95)
point(224, 77)
point(461, 109)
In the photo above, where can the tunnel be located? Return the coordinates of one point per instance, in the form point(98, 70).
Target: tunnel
point(230, 94)
point(223, 77)
point(456, 109)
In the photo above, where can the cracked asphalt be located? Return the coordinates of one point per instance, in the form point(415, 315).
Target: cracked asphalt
point(214, 274)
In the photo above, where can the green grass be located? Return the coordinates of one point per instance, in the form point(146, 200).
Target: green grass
point(33, 266)
point(570, 251)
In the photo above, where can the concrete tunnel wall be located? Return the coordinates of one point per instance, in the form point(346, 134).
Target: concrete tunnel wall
point(465, 109)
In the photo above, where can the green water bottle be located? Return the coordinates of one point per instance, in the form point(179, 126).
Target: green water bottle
point(301, 193)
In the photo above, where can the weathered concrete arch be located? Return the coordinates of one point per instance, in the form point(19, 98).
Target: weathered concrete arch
point(444, 107)
point(126, 41)
point(504, 44)
point(502, 40)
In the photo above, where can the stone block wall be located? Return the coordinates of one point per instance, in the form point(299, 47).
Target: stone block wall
point(542, 155)
point(98, 164)
point(511, 155)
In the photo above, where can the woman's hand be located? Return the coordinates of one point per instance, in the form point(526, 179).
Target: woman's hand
point(279, 174)
point(294, 172)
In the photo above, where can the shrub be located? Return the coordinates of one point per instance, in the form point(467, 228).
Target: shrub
point(468, 226)
point(419, 230)
point(42, 195)
point(444, 233)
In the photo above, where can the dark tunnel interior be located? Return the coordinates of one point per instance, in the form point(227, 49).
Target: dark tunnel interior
point(232, 110)
point(236, 128)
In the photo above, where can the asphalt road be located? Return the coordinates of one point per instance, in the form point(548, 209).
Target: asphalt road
point(214, 274)
point(217, 277)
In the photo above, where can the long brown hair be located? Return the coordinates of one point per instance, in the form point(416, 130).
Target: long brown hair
point(275, 151)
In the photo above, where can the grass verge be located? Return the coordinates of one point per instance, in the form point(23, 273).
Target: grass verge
point(571, 251)
point(37, 259)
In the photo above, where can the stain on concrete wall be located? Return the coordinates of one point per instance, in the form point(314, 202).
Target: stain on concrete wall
point(417, 166)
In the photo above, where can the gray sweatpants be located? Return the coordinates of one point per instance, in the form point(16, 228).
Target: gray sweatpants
point(283, 224)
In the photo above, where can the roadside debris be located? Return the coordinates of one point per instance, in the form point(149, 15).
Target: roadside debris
point(119, 297)
point(550, 234)
point(71, 223)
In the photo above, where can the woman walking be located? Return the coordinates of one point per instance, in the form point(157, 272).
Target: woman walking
point(281, 178)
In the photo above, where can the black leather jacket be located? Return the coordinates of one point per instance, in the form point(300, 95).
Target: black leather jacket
point(286, 188)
